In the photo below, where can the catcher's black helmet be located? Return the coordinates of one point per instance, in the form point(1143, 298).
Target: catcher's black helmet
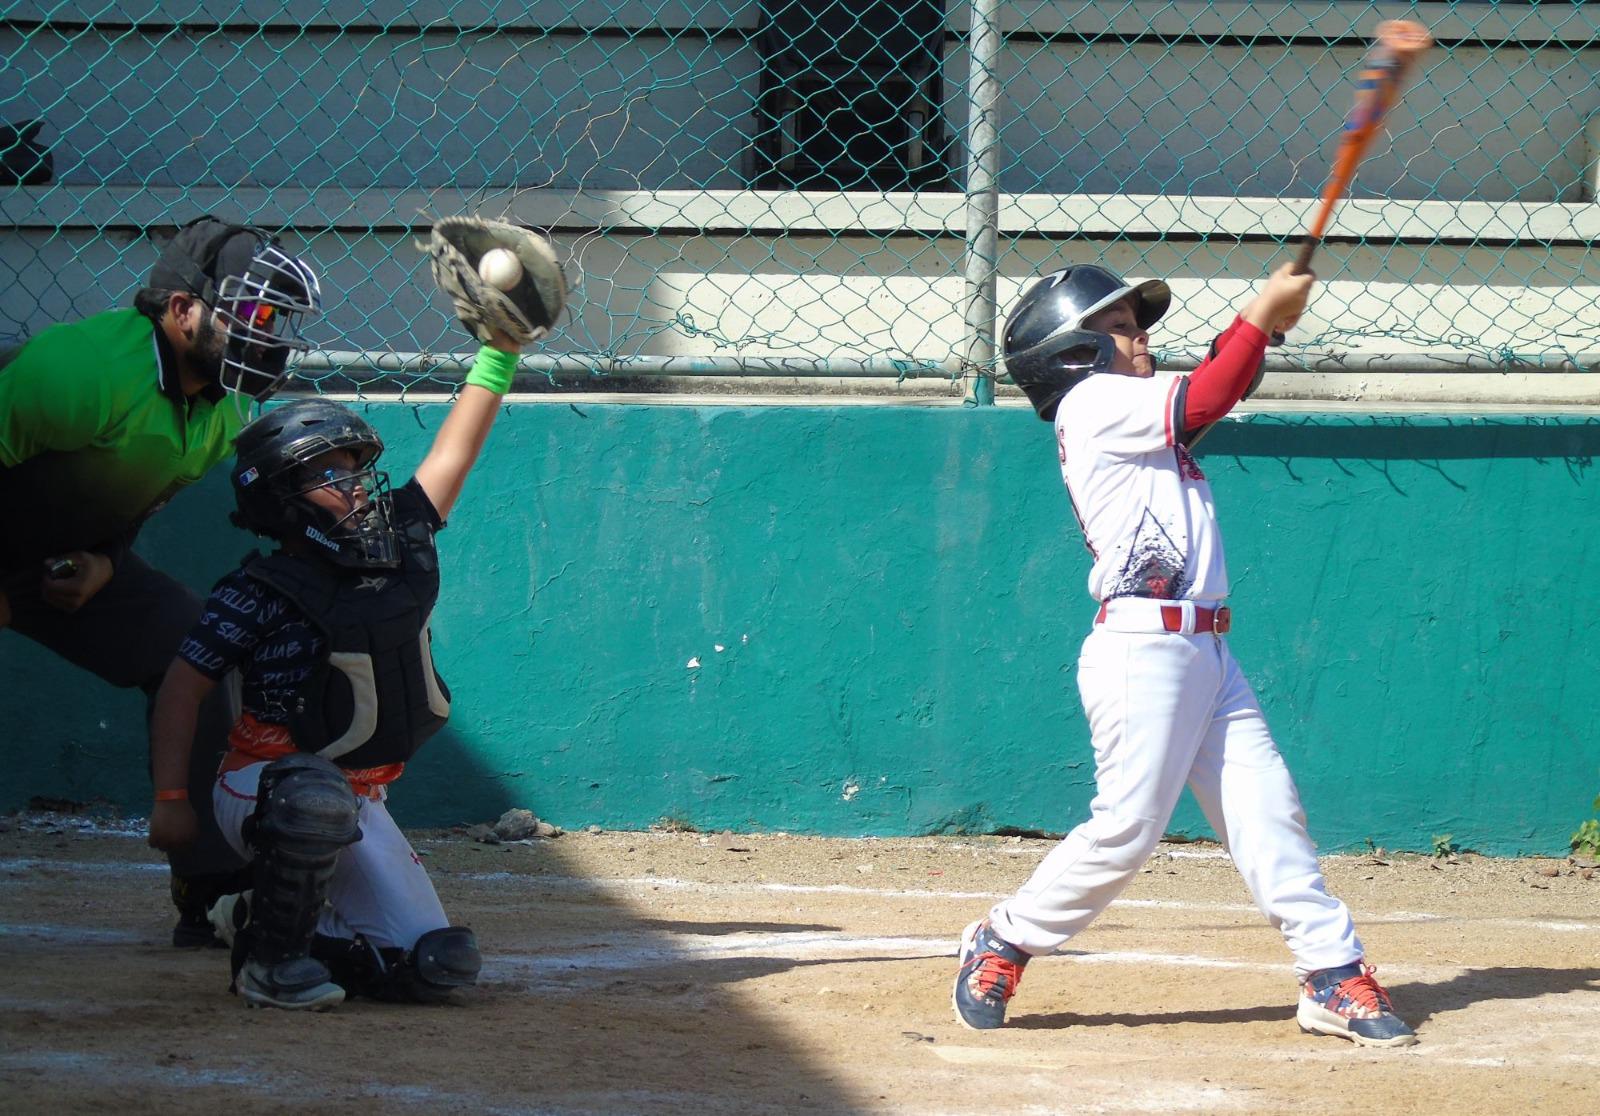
point(274, 474)
point(1047, 350)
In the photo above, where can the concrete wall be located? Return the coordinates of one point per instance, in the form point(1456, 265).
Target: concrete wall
point(864, 620)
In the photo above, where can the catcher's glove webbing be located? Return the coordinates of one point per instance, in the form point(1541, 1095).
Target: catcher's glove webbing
point(525, 312)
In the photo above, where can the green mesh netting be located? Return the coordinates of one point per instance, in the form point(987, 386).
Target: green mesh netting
point(829, 188)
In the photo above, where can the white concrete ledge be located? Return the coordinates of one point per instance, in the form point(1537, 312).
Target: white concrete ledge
point(696, 212)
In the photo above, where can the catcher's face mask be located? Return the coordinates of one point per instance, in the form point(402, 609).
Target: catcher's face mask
point(348, 513)
point(262, 308)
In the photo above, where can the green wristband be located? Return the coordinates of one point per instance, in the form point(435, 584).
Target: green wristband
point(493, 369)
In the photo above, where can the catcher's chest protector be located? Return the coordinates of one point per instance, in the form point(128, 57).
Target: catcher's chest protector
point(376, 698)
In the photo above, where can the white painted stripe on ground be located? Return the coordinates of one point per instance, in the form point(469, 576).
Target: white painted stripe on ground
point(285, 1088)
point(128, 1070)
point(80, 867)
point(50, 823)
point(17, 866)
point(670, 883)
point(613, 952)
point(73, 935)
point(1195, 854)
point(620, 952)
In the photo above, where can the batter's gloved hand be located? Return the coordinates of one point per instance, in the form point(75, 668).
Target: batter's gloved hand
point(527, 307)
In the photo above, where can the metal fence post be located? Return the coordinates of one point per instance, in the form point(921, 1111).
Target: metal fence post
point(983, 202)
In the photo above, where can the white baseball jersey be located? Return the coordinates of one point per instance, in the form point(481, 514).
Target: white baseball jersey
point(1143, 504)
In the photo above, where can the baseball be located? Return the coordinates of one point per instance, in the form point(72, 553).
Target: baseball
point(500, 268)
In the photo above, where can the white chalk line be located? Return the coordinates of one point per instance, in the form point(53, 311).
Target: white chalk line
point(80, 867)
point(120, 1071)
point(68, 935)
point(125, 1070)
point(654, 949)
point(670, 883)
point(610, 953)
point(17, 868)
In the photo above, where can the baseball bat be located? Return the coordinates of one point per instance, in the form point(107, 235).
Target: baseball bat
point(1396, 47)
point(1398, 44)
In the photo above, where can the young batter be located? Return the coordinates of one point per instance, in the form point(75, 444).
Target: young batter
point(1166, 702)
point(330, 634)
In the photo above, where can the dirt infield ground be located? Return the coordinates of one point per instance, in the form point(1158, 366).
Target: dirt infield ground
point(681, 973)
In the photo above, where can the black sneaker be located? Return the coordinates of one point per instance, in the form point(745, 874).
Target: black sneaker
point(193, 931)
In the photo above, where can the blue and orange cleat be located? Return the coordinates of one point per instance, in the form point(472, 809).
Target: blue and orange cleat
point(1348, 1003)
point(991, 969)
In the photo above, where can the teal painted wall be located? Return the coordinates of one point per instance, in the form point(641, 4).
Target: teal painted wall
point(885, 606)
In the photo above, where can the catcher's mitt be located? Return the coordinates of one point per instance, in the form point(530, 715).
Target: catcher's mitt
point(525, 312)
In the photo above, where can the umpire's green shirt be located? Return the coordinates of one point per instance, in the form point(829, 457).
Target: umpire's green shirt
point(96, 434)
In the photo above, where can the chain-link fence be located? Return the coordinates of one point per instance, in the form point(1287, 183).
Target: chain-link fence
point(835, 187)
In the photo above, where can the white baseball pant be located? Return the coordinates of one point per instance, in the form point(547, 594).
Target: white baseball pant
point(379, 889)
point(1164, 710)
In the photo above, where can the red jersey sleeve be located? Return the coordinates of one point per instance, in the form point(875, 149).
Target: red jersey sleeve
point(1223, 378)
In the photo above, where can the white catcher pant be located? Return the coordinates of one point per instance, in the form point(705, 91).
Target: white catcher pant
point(1165, 710)
point(379, 890)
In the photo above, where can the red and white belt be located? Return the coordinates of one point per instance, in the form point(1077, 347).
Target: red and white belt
point(1142, 614)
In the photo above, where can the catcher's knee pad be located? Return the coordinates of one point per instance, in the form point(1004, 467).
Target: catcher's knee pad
point(441, 961)
point(302, 800)
point(446, 958)
point(305, 813)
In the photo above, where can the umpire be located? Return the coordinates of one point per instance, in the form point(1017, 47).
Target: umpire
point(102, 421)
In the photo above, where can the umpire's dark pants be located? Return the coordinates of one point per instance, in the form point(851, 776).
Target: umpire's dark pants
point(127, 634)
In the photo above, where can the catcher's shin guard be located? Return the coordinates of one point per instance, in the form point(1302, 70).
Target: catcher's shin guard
point(305, 813)
point(441, 961)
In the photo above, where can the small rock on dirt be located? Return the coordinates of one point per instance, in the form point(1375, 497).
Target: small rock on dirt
point(519, 825)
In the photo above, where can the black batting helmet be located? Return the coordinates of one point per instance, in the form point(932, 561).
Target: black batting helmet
point(274, 475)
point(1047, 350)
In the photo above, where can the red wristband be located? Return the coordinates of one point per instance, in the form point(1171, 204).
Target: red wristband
point(179, 795)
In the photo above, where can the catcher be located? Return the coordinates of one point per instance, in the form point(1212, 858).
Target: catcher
point(330, 635)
